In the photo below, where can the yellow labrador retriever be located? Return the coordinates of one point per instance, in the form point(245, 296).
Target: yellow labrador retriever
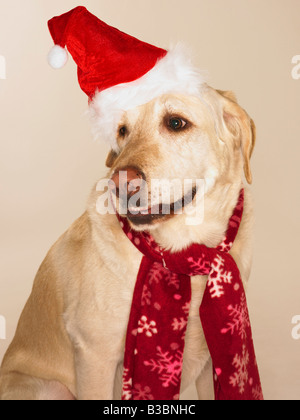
point(69, 342)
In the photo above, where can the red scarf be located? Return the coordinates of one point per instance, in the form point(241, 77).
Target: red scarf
point(159, 315)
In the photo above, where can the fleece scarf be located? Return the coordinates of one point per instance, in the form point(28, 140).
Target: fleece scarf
point(159, 315)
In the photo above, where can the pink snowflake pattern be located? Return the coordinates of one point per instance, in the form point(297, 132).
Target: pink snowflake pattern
point(239, 319)
point(186, 308)
point(155, 274)
point(168, 366)
point(199, 266)
point(127, 385)
point(149, 328)
point(172, 279)
point(224, 246)
point(257, 393)
point(140, 393)
point(179, 324)
point(146, 296)
point(240, 376)
point(217, 277)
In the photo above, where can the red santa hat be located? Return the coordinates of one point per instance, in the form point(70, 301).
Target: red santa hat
point(116, 70)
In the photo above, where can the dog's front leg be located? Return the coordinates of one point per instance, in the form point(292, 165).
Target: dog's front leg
point(204, 383)
point(95, 373)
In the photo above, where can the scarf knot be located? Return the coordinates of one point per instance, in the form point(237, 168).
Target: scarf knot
point(159, 316)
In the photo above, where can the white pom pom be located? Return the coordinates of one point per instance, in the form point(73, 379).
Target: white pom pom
point(57, 57)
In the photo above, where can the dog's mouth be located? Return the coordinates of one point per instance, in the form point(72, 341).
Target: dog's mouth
point(156, 213)
point(148, 203)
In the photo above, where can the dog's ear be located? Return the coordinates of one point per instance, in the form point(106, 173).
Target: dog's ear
point(241, 126)
point(228, 94)
point(111, 157)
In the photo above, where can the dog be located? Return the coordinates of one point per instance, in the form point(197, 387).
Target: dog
point(69, 342)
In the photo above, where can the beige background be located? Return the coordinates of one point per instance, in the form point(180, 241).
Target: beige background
point(48, 161)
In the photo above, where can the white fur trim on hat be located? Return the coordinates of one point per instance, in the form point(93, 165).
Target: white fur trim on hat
point(173, 73)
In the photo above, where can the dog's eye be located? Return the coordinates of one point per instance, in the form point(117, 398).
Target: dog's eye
point(123, 131)
point(176, 123)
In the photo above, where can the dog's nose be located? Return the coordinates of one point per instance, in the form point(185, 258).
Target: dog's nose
point(126, 182)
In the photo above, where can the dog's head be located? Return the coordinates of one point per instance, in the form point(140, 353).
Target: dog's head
point(167, 146)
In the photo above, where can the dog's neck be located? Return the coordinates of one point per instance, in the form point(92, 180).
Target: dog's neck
point(219, 203)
